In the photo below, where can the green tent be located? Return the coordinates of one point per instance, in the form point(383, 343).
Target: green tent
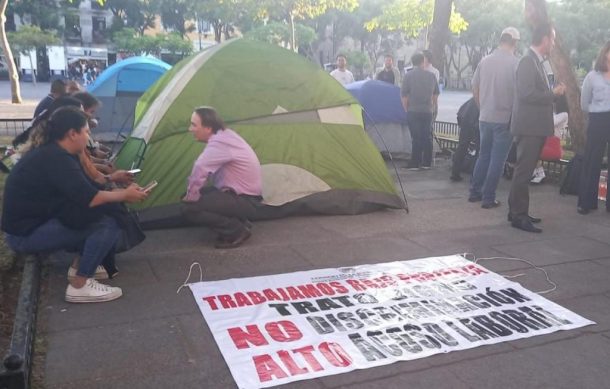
point(305, 128)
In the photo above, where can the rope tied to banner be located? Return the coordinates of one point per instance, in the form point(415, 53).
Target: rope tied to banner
point(188, 277)
point(548, 279)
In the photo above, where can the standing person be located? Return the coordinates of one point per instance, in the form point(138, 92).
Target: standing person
point(58, 89)
point(430, 68)
point(468, 121)
point(419, 94)
point(233, 167)
point(389, 73)
point(595, 99)
point(43, 193)
point(428, 65)
point(531, 122)
point(341, 73)
point(493, 89)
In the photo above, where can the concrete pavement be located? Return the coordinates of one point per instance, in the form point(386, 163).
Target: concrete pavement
point(155, 338)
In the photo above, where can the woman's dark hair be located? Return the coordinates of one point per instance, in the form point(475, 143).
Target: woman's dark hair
point(601, 63)
point(64, 101)
point(209, 118)
point(87, 99)
point(64, 120)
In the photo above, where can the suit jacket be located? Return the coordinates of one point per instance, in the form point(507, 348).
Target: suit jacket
point(533, 108)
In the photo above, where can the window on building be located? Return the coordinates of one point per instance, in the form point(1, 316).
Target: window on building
point(72, 32)
point(99, 29)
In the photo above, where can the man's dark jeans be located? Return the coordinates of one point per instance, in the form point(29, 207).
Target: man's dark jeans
point(421, 138)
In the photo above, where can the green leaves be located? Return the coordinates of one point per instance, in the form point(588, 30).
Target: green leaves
point(129, 40)
point(31, 37)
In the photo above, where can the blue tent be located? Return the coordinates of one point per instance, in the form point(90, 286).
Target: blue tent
point(385, 120)
point(118, 88)
point(380, 100)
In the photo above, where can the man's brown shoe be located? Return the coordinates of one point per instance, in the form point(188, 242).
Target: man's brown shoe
point(230, 244)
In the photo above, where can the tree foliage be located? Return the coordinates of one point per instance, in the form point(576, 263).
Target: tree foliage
point(291, 10)
point(31, 37)
point(278, 33)
point(129, 40)
point(411, 17)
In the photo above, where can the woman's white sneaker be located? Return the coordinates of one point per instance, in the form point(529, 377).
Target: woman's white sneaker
point(92, 292)
point(100, 273)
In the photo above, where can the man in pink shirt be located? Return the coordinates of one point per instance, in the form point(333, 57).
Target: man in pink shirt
point(234, 172)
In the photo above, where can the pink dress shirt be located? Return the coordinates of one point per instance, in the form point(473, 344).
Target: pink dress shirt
point(230, 162)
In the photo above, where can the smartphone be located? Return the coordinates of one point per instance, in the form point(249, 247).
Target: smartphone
point(134, 171)
point(150, 186)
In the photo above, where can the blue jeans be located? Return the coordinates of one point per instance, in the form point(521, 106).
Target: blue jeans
point(495, 145)
point(95, 242)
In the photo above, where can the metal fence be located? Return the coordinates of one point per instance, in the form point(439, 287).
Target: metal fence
point(447, 135)
point(13, 127)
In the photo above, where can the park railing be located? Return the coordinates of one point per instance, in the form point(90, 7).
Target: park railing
point(447, 135)
point(16, 367)
point(13, 127)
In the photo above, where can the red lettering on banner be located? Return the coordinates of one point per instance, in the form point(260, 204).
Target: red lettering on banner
point(256, 297)
point(307, 353)
point(271, 295)
point(226, 301)
point(474, 270)
point(211, 302)
point(294, 293)
point(338, 287)
point(358, 287)
point(267, 368)
point(290, 364)
point(283, 331)
point(241, 299)
point(242, 338)
point(334, 353)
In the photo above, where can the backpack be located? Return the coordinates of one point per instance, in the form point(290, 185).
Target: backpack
point(570, 181)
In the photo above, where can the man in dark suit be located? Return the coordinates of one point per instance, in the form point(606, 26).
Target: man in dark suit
point(531, 122)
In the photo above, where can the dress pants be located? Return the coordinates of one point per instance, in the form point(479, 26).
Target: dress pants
point(222, 211)
point(528, 154)
point(598, 139)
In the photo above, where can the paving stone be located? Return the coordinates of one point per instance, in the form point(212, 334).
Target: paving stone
point(145, 348)
point(573, 363)
point(359, 252)
point(554, 251)
point(425, 379)
point(139, 304)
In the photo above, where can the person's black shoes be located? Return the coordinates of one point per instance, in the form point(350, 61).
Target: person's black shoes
point(494, 204)
point(474, 199)
point(532, 219)
point(224, 243)
point(456, 178)
point(525, 225)
point(583, 211)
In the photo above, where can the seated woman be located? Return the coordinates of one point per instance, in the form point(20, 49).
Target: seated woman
point(47, 185)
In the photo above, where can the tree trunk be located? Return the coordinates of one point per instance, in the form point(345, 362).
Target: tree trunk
point(32, 68)
point(217, 31)
point(10, 62)
point(439, 32)
point(535, 14)
point(293, 44)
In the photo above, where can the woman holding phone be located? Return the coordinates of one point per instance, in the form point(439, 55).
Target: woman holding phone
point(46, 188)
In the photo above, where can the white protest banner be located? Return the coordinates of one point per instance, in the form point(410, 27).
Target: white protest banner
point(277, 329)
